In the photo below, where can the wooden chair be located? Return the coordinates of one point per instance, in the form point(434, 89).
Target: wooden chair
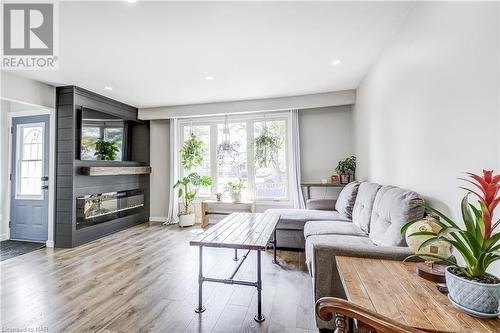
point(369, 321)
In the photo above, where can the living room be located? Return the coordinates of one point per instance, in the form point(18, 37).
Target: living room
point(250, 166)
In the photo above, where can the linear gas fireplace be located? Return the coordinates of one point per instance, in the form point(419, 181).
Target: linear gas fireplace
point(102, 207)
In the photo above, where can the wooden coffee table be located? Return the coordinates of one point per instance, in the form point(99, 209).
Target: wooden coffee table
point(393, 289)
point(246, 231)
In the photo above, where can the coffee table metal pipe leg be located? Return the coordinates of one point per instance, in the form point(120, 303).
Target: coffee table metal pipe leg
point(259, 317)
point(235, 255)
point(275, 261)
point(200, 307)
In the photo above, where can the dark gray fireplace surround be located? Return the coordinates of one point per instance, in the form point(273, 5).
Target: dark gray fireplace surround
point(73, 183)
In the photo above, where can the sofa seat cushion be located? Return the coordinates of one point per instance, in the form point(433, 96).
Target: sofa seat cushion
point(332, 228)
point(349, 246)
point(392, 208)
point(295, 219)
point(346, 200)
point(362, 211)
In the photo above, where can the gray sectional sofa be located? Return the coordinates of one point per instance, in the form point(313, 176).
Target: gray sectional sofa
point(366, 222)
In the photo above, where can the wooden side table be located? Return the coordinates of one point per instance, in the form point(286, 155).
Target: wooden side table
point(224, 208)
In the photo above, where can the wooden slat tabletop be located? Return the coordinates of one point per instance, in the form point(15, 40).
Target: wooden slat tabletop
point(251, 231)
point(393, 289)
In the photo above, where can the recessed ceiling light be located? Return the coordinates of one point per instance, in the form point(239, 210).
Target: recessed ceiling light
point(108, 88)
point(336, 62)
point(209, 78)
point(131, 1)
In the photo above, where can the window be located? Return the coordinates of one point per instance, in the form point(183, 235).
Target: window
point(29, 160)
point(227, 163)
point(100, 126)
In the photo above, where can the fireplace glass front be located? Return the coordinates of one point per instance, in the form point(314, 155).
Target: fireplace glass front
point(102, 207)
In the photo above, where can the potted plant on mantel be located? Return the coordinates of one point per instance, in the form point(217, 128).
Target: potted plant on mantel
point(471, 289)
point(346, 170)
point(191, 157)
point(106, 150)
point(235, 189)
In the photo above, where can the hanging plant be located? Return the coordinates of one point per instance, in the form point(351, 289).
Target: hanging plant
point(192, 152)
point(227, 152)
point(267, 147)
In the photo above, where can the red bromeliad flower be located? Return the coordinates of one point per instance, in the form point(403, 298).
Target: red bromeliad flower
point(488, 199)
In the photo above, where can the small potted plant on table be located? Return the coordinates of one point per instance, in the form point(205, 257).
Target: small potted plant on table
point(235, 189)
point(346, 170)
point(471, 288)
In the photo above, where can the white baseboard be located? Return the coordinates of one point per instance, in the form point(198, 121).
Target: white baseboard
point(159, 219)
point(49, 243)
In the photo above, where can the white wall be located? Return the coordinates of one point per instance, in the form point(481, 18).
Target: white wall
point(24, 90)
point(326, 137)
point(159, 178)
point(334, 98)
point(429, 108)
point(4, 168)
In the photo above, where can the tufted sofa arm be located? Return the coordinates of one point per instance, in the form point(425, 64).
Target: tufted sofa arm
point(321, 204)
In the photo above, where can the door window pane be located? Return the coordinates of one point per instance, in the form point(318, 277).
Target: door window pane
point(30, 160)
point(232, 158)
point(270, 167)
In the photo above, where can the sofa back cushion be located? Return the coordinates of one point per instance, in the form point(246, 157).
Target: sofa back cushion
point(392, 208)
point(346, 199)
point(362, 211)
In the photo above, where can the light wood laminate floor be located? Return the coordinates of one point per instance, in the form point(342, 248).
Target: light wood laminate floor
point(144, 279)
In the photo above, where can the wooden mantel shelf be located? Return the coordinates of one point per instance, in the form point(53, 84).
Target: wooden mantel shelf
point(115, 170)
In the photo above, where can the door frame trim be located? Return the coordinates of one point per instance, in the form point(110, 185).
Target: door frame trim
point(52, 159)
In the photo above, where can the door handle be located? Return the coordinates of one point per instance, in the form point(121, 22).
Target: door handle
point(45, 179)
point(45, 187)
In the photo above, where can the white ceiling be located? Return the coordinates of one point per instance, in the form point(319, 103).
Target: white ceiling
point(159, 53)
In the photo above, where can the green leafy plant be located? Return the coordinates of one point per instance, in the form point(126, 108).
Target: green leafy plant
point(347, 166)
point(236, 186)
point(477, 243)
point(188, 189)
point(192, 152)
point(106, 150)
point(267, 147)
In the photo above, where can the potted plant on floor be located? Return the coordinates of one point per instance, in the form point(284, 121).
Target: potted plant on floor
point(471, 289)
point(187, 187)
point(187, 190)
point(346, 169)
point(235, 189)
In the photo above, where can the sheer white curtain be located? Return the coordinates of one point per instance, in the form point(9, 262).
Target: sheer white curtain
point(173, 204)
point(295, 188)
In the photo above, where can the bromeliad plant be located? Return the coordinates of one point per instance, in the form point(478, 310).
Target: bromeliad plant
point(188, 188)
point(477, 243)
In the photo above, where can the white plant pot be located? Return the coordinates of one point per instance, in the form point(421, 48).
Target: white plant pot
point(186, 220)
point(236, 197)
point(476, 296)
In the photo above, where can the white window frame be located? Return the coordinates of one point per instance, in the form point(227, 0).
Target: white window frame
point(19, 142)
point(250, 119)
